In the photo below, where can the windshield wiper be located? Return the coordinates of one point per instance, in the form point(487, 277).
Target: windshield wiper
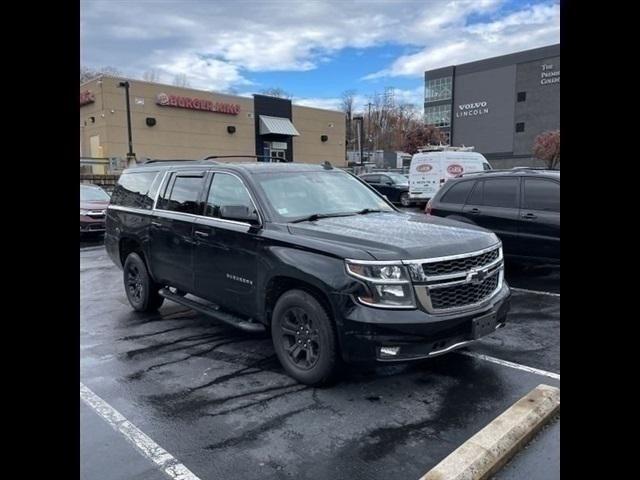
point(317, 216)
point(368, 210)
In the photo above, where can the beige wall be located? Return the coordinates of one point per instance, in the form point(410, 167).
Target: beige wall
point(312, 123)
point(181, 133)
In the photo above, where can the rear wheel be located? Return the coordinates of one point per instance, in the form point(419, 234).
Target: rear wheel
point(304, 338)
point(141, 290)
point(404, 200)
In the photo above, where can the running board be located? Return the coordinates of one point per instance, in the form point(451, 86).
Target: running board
point(229, 319)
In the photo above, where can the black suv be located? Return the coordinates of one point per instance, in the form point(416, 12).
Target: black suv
point(521, 205)
point(309, 253)
point(394, 186)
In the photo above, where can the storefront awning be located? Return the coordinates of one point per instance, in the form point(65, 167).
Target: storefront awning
point(277, 125)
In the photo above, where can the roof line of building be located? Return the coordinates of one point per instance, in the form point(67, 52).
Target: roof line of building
point(503, 60)
point(119, 77)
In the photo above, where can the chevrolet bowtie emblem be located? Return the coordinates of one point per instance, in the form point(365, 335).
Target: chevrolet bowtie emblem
point(476, 276)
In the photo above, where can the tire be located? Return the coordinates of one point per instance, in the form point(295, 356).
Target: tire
point(316, 359)
point(404, 200)
point(141, 291)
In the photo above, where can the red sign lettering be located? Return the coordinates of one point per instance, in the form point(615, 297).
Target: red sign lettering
point(189, 103)
point(87, 97)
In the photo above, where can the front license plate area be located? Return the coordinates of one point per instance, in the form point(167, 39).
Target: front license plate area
point(484, 325)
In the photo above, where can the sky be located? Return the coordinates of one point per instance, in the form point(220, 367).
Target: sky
point(313, 49)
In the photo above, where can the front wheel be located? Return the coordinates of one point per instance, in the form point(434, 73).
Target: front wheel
point(304, 338)
point(141, 290)
point(404, 200)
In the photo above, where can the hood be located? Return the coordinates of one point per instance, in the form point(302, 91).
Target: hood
point(94, 205)
point(399, 236)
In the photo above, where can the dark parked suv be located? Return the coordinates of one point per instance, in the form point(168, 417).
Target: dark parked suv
point(393, 185)
point(309, 253)
point(521, 205)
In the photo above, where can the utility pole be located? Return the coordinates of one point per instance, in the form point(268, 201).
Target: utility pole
point(369, 129)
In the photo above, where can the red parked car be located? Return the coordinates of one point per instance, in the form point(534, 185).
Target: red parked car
point(93, 208)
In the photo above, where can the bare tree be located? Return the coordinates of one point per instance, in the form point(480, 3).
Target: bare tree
point(346, 104)
point(421, 135)
point(276, 92)
point(546, 147)
point(180, 80)
point(88, 73)
point(151, 75)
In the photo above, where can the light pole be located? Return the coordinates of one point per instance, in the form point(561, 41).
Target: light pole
point(130, 155)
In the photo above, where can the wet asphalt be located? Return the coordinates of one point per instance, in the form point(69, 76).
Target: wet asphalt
point(219, 402)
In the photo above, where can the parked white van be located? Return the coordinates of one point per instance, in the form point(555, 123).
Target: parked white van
point(431, 167)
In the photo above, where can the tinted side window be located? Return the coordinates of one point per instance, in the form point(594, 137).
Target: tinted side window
point(476, 196)
point(182, 194)
point(133, 190)
point(541, 195)
point(457, 193)
point(226, 190)
point(501, 192)
point(373, 178)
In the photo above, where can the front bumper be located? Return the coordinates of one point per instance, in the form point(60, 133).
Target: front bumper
point(365, 330)
point(90, 224)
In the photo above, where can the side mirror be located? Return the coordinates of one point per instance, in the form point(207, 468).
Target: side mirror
point(240, 213)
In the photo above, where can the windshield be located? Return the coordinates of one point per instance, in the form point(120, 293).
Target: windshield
point(93, 194)
point(299, 194)
point(398, 179)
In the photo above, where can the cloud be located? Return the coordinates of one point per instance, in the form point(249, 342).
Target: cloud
point(534, 26)
point(204, 73)
point(413, 96)
point(219, 44)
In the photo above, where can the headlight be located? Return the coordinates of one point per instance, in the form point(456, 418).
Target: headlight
point(84, 212)
point(387, 285)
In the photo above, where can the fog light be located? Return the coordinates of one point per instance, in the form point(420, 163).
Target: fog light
point(389, 351)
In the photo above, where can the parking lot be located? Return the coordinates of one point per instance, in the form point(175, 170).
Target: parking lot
point(219, 402)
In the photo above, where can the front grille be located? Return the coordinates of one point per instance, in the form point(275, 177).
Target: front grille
point(462, 295)
point(460, 264)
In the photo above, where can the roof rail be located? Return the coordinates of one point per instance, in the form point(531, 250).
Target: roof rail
point(277, 159)
point(209, 159)
point(443, 148)
point(163, 160)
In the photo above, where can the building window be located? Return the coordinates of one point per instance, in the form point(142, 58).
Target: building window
point(438, 115)
point(438, 89)
point(447, 137)
point(522, 96)
point(520, 127)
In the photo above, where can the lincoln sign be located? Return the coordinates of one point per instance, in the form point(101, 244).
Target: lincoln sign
point(189, 103)
point(472, 109)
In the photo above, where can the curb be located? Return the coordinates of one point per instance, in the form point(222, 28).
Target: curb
point(489, 449)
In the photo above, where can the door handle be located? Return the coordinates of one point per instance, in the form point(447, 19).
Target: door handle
point(202, 234)
point(156, 224)
point(529, 216)
point(474, 210)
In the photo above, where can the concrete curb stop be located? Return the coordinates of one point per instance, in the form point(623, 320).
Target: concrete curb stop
point(489, 449)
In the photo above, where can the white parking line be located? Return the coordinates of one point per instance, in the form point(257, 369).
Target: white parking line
point(143, 443)
point(537, 292)
point(506, 363)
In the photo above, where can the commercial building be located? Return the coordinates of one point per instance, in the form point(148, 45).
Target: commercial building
point(169, 122)
point(497, 105)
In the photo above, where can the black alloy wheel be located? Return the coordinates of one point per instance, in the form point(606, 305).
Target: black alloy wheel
point(304, 338)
